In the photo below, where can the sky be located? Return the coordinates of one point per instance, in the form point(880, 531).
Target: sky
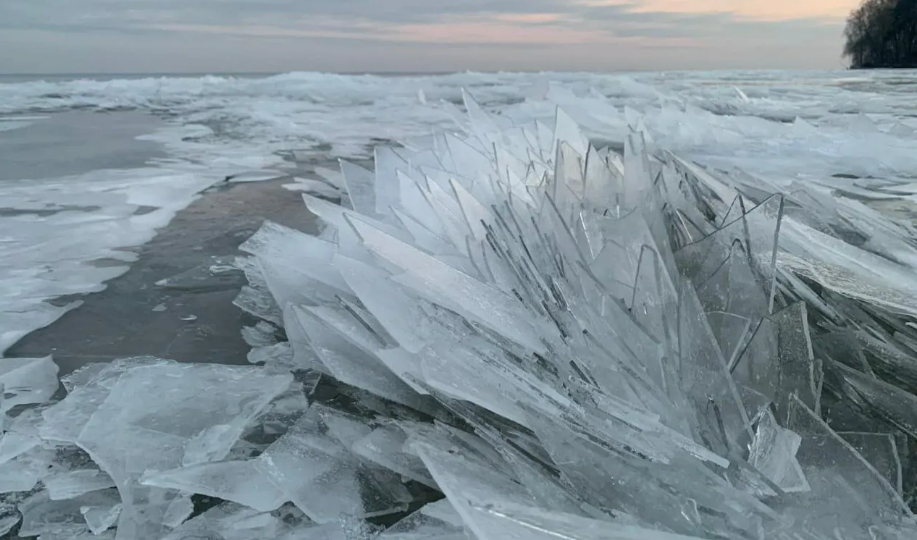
point(170, 36)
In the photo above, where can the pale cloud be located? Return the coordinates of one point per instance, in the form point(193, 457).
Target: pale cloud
point(773, 10)
point(416, 35)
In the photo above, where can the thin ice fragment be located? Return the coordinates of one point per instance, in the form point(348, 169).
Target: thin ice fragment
point(237, 481)
point(26, 381)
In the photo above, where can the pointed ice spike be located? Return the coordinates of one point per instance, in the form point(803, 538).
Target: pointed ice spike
point(360, 187)
point(603, 186)
point(236, 481)
point(387, 162)
point(638, 177)
point(466, 481)
point(415, 203)
point(757, 230)
point(485, 125)
point(721, 416)
point(489, 306)
point(395, 310)
point(475, 214)
point(473, 162)
point(652, 301)
point(333, 215)
point(350, 364)
point(567, 130)
point(296, 252)
point(734, 288)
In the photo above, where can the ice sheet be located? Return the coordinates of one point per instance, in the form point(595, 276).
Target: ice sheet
point(819, 124)
point(558, 346)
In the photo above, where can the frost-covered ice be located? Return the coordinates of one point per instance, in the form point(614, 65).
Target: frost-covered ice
point(513, 329)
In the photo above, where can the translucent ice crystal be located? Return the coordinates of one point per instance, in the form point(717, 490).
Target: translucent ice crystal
point(512, 331)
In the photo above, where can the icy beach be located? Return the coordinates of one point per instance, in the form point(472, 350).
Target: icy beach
point(647, 306)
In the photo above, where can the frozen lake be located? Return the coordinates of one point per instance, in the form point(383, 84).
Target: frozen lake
point(80, 189)
point(701, 326)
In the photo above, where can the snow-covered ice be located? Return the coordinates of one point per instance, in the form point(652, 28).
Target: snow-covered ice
point(559, 317)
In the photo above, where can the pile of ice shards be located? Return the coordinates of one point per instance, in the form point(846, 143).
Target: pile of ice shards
point(512, 334)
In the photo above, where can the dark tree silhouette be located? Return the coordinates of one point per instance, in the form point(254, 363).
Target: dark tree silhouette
point(882, 34)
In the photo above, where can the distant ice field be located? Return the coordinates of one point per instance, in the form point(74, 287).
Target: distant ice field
point(66, 230)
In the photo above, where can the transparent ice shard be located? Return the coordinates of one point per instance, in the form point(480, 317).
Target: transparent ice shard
point(41, 516)
point(67, 485)
point(890, 402)
point(229, 521)
point(567, 130)
point(638, 177)
point(399, 314)
point(421, 525)
point(465, 480)
point(27, 381)
point(279, 355)
point(177, 410)
point(100, 518)
point(590, 465)
point(324, 479)
point(178, 414)
point(7, 521)
point(757, 230)
point(259, 303)
point(13, 444)
point(433, 278)
point(296, 252)
point(22, 473)
point(507, 520)
point(237, 481)
point(350, 364)
point(773, 453)
point(839, 476)
point(881, 451)
point(387, 162)
point(722, 421)
point(178, 511)
point(800, 374)
point(360, 184)
point(384, 445)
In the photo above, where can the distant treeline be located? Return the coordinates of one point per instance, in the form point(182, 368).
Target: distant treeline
point(882, 34)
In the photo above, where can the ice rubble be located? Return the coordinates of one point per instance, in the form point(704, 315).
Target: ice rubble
point(562, 341)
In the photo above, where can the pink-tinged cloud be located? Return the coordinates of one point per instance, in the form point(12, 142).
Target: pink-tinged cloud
point(752, 10)
point(497, 30)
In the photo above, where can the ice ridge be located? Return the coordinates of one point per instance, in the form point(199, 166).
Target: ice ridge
point(513, 333)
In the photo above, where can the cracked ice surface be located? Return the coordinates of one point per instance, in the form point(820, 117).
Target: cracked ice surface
point(511, 333)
